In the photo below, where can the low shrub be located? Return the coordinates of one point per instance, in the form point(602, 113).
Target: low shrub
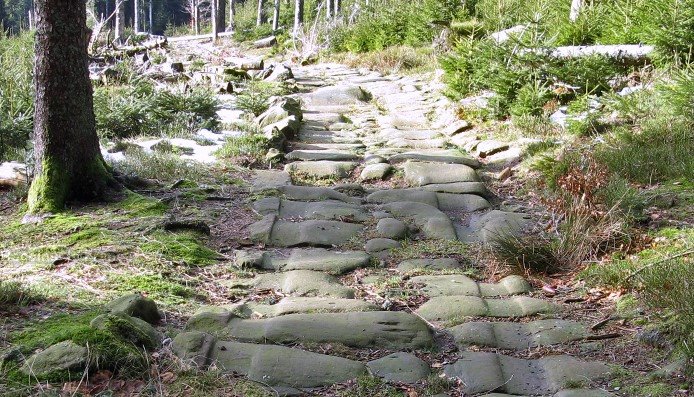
point(162, 166)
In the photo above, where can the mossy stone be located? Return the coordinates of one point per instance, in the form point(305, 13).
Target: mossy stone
point(63, 356)
point(132, 329)
point(136, 305)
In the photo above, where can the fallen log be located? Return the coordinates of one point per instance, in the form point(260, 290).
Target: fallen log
point(13, 174)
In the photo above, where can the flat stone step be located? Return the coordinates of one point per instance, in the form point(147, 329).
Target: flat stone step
point(290, 305)
point(389, 330)
point(320, 233)
point(432, 143)
point(399, 367)
point(480, 372)
point(456, 308)
point(326, 210)
point(421, 173)
point(461, 285)
point(477, 188)
point(267, 179)
point(328, 146)
point(436, 156)
point(429, 264)
point(321, 169)
point(563, 393)
point(268, 364)
point(316, 155)
point(316, 193)
point(392, 133)
point(432, 222)
point(297, 283)
point(442, 201)
point(318, 259)
point(517, 336)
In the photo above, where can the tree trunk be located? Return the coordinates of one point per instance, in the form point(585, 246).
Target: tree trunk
point(221, 15)
point(68, 159)
point(337, 8)
point(259, 20)
point(151, 12)
point(276, 16)
point(214, 20)
point(328, 9)
point(232, 15)
point(196, 17)
point(576, 6)
point(136, 15)
point(120, 20)
point(298, 16)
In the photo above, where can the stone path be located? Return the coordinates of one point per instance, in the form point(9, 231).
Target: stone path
point(329, 214)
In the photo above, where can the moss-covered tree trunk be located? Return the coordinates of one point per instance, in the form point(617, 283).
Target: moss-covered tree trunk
point(69, 164)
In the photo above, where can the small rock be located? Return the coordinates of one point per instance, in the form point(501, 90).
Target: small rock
point(136, 305)
point(392, 228)
point(63, 356)
point(399, 367)
point(375, 171)
point(505, 174)
point(377, 245)
point(273, 156)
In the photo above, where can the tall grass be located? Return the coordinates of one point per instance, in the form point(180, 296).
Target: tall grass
point(16, 94)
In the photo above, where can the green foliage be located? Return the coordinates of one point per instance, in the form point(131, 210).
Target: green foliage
point(255, 98)
point(371, 386)
point(252, 146)
point(384, 25)
point(139, 109)
point(181, 247)
point(661, 151)
point(526, 255)
point(530, 99)
point(163, 167)
point(16, 94)
point(165, 289)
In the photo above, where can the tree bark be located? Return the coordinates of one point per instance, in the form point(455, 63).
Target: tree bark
point(196, 17)
point(151, 18)
point(69, 164)
point(136, 15)
point(259, 20)
point(338, 7)
point(214, 20)
point(328, 9)
point(276, 16)
point(120, 20)
point(221, 15)
point(298, 16)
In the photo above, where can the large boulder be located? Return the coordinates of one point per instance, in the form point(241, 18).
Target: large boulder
point(63, 356)
point(136, 305)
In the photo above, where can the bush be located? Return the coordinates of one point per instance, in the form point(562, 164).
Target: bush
point(139, 109)
point(255, 99)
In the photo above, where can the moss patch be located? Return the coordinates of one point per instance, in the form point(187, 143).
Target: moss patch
point(180, 247)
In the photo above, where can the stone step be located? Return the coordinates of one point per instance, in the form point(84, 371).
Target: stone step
point(433, 223)
point(389, 330)
point(268, 364)
point(268, 179)
point(399, 367)
point(319, 233)
point(433, 143)
point(318, 259)
point(326, 210)
point(461, 285)
point(317, 155)
point(517, 336)
point(315, 193)
point(442, 201)
point(481, 372)
point(286, 305)
point(296, 283)
point(328, 146)
point(423, 173)
point(457, 308)
point(322, 169)
point(429, 264)
point(446, 156)
point(491, 225)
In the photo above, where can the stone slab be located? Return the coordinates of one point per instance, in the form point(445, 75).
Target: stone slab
point(303, 283)
point(429, 264)
point(318, 259)
point(422, 173)
point(315, 193)
point(390, 330)
point(436, 156)
point(325, 210)
point(477, 188)
point(433, 223)
point(517, 336)
point(461, 285)
point(481, 372)
point(312, 232)
point(317, 155)
point(271, 365)
point(321, 169)
point(267, 179)
point(399, 367)
point(454, 308)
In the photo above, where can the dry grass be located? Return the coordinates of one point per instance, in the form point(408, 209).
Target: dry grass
point(397, 59)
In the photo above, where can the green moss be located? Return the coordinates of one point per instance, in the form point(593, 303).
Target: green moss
point(213, 383)
point(140, 206)
point(429, 249)
point(49, 189)
point(106, 350)
point(369, 386)
point(180, 247)
point(166, 290)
